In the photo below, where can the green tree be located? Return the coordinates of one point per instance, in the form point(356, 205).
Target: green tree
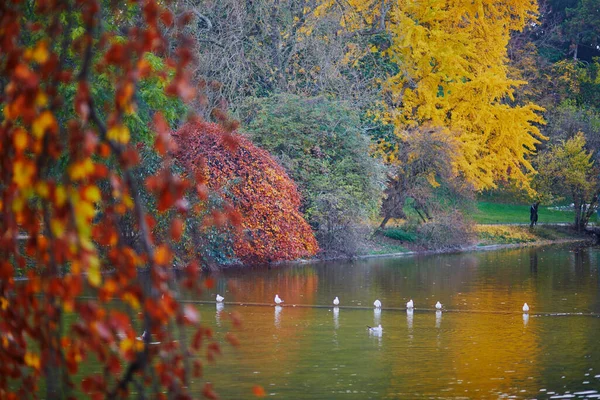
point(566, 171)
point(321, 145)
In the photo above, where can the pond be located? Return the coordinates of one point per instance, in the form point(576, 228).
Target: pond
point(480, 346)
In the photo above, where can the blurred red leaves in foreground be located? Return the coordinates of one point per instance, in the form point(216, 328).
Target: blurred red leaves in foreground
point(70, 74)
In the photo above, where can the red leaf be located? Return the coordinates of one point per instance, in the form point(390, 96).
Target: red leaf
point(258, 391)
point(208, 391)
point(209, 283)
point(176, 229)
point(191, 314)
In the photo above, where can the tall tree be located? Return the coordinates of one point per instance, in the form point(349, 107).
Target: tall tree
point(453, 74)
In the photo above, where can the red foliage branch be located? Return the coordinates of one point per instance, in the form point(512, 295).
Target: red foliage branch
point(59, 171)
point(273, 229)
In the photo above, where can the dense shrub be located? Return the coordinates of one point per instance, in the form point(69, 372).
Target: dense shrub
point(446, 231)
point(272, 227)
point(321, 145)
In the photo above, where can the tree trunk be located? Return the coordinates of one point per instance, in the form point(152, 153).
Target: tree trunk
point(385, 221)
point(578, 204)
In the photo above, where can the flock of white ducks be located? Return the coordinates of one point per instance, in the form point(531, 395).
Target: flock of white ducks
point(378, 330)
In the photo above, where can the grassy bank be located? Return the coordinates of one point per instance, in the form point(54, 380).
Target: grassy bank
point(483, 235)
point(498, 213)
point(512, 234)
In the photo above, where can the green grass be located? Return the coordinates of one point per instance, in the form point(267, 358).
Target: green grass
point(495, 213)
point(400, 234)
point(384, 248)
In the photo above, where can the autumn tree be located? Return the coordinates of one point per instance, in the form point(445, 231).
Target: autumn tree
point(422, 176)
point(452, 74)
point(271, 226)
point(567, 171)
point(77, 80)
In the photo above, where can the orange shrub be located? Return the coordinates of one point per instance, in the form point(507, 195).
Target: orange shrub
point(272, 227)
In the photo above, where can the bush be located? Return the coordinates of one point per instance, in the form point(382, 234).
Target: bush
point(321, 146)
point(400, 234)
point(271, 225)
point(446, 231)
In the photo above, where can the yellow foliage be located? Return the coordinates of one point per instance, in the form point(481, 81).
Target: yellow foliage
point(20, 139)
point(505, 234)
point(81, 169)
point(94, 276)
point(24, 171)
point(453, 74)
point(119, 133)
point(43, 122)
point(32, 360)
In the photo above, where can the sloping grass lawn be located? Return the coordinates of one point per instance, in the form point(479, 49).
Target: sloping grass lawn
point(496, 213)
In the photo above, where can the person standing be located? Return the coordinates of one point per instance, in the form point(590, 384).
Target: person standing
point(533, 213)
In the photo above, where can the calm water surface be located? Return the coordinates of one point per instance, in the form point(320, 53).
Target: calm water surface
point(482, 347)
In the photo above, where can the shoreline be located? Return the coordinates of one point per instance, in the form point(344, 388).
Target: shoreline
point(466, 249)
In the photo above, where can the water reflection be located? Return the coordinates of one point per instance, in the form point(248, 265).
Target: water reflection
point(278, 310)
point(533, 261)
point(336, 317)
point(376, 316)
point(220, 308)
point(488, 349)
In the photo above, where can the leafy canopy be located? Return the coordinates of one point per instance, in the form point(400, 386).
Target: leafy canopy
point(452, 74)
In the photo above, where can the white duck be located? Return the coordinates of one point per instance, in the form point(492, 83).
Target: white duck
point(377, 304)
point(336, 301)
point(378, 330)
point(220, 298)
point(438, 306)
point(278, 299)
point(525, 308)
point(410, 305)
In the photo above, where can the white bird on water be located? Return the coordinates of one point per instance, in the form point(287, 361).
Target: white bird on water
point(220, 298)
point(438, 306)
point(410, 305)
point(377, 304)
point(378, 330)
point(336, 301)
point(278, 300)
point(525, 308)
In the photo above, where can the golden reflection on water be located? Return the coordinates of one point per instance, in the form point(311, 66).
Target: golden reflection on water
point(484, 348)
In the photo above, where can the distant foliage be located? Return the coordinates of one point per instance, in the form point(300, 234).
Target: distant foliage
point(272, 227)
point(447, 231)
point(320, 144)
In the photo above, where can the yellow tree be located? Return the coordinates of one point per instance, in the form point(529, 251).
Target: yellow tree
point(453, 74)
point(567, 171)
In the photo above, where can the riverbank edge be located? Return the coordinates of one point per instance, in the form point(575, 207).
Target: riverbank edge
point(465, 249)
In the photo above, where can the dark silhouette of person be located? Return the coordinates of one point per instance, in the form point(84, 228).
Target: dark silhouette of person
point(533, 213)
